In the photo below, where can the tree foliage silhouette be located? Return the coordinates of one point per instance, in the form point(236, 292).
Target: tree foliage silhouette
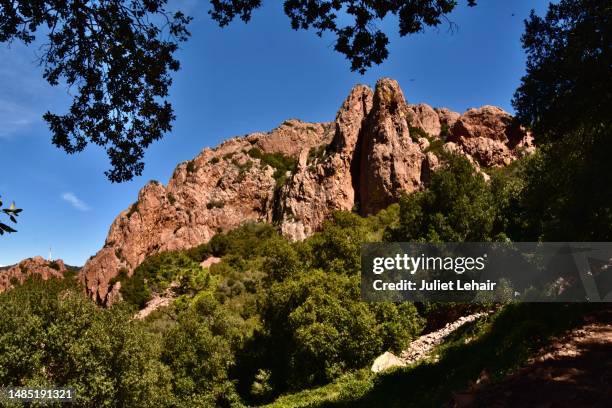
point(566, 98)
point(361, 42)
point(10, 212)
point(116, 58)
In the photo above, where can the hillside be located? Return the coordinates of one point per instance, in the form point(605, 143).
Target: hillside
point(36, 267)
point(295, 176)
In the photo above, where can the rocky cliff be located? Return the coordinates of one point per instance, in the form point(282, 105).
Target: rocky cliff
point(37, 266)
point(378, 147)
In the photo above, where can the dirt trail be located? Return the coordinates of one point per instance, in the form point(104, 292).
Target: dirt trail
point(574, 371)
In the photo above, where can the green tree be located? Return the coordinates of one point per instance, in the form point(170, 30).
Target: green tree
point(51, 334)
point(317, 328)
point(337, 248)
point(458, 206)
point(360, 41)
point(200, 350)
point(566, 98)
point(116, 57)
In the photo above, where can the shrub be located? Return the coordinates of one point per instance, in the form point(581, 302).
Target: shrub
point(317, 154)
point(444, 131)
point(199, 253)
point(278, 161)
point(318, 328)
point(215, 204)
point(417, 133)
point(52, 334)
point(134, 289)
point(458, 206)
point(191, 167)
point(171, 198)
point(255, 153)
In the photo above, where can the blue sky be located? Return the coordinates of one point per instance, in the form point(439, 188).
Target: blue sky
point(233, 81)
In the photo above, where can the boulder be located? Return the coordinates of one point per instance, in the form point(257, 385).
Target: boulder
point(386, 361)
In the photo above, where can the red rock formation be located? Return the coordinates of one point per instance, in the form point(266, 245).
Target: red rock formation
point(490, 136)
point(36, 266)
point(365, 159)
point(324, 184)
point(390, 161)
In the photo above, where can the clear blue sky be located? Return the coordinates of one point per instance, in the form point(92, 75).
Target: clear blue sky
point(233, 81)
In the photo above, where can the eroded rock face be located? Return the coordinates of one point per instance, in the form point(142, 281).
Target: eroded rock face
point(447, 117)
point(323, 184)
point(36, 266)
point(218, 190)
point(427, 119)
point(365, 159)
point(390, 161)
point(491, 136)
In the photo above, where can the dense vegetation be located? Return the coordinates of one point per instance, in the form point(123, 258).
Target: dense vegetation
point(492, 346)
point(278, 161)
point(272, 316)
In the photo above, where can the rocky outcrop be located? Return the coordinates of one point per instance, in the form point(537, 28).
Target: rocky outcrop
point(326, 183)
point(364, 160)
point(447, 117)
point(390, 160)
point(491, 136)
point(36, 266)
point(420, 348)
point(426, 118)
point(386, 361)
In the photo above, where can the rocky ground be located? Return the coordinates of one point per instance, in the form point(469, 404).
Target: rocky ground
point(157, 301)
point(572, 371)
point(421, 347)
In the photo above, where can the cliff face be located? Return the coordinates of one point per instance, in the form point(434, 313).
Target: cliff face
point(37, 266)
point(365, 159)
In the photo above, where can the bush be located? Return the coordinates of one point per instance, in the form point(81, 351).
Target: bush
point(444, 131)
point(458, 206)
point(52, 335)
point(171, 198)
point(215, 204)
point(318, 327)
point(278, 161)
point(417, 133)
point(191, 167)
point(317, 154)
point(200, 352)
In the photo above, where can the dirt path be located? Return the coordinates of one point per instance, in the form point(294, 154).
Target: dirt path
point(574, 371)
point(422, 346)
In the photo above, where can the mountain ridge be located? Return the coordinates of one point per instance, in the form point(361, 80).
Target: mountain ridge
point(294, 176)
